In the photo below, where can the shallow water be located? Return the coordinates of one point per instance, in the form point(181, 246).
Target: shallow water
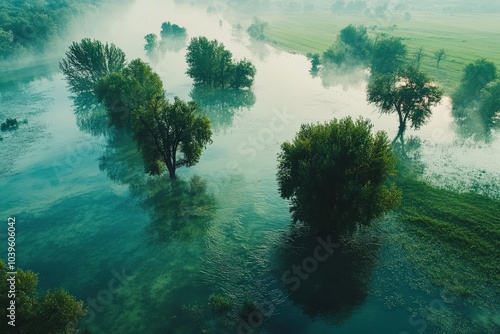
point(87, 214)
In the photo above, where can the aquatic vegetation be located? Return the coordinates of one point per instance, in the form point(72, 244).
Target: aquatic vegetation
point(219, 303)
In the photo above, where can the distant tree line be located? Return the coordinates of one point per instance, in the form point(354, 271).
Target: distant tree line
point(29, 26)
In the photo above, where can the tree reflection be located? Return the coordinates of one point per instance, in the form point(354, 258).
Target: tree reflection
point(345, 77)
point(340, 283)
point(180, 209)
point(220, 105)
point(91, 116)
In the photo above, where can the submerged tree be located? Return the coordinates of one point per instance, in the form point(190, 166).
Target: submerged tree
point(409, 93)
point(352, 47)
point(151, 43)
point(335, 174)
point(172, 30)
point(256, 29)
point(171, 135)
point(210, 63)
point(88, 61)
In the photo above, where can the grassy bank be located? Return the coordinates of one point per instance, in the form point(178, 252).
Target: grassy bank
point(457, 237)
point(465, 38)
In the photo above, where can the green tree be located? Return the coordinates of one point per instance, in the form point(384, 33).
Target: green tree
point(53, 313)
point(210, 63)
point(171, 135)
point(419, 54)
point(352, 47)
point(172, 30)
point(125, 92)
point(409, 93)
point(151, 42)
point(476, 76)
point(88, 61)
point(335, 175)
point(489, 105)
point(439, 55)
point(243, 74)
point(257, 28)
point(387, 55)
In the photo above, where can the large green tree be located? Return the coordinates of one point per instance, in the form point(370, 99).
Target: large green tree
point(171, 135)
point(335, 174)
point(388, 55)
point(55, 312)
point(352, 47)
point(128, 90)
point(210, 63)
point(409, 93)
point(88, 61)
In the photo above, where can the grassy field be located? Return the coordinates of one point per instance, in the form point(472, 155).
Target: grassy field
point(465, 38)
point(457, 236)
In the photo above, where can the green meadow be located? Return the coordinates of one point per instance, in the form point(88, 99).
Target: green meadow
point(465, 38)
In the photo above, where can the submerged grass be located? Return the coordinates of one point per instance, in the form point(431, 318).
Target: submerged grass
point(457, 236)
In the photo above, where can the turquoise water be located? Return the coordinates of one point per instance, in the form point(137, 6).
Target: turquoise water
point(146, 256)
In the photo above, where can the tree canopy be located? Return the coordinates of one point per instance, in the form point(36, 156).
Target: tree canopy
point(88, 61)
point(387, 55)
point(256, 29)
point(210, 63)
point(335, 174)
point(171, 135)
point(54, 312)
point(125, 92)
point(409, 93)
point(172, 30)
point(352, 47)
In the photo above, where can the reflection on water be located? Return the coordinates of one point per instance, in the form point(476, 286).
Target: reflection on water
point(341, 282)
point(91, 116)
point(221, 105)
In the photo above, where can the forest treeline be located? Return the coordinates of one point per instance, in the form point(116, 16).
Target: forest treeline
point(29, 26)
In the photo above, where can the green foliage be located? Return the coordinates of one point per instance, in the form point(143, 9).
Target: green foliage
point(219, 303)
point(88, 61)
point(163, 130)
point(129, 90)
point(52, 313)
point(248, 308)
point(30, 26)
point(172, 30)
point(151, 42)
point(257, 28)
point(9, 124)
point(387, 55)
point(439, 55)
point(352, 47)
point(475, 105)
point(210, 63)
point(335, 174)
point(409, 93)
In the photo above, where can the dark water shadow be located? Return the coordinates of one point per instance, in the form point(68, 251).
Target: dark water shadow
point(221, 105)
point(340, 282)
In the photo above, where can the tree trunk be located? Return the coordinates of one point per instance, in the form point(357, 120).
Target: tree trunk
point(171, 172)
